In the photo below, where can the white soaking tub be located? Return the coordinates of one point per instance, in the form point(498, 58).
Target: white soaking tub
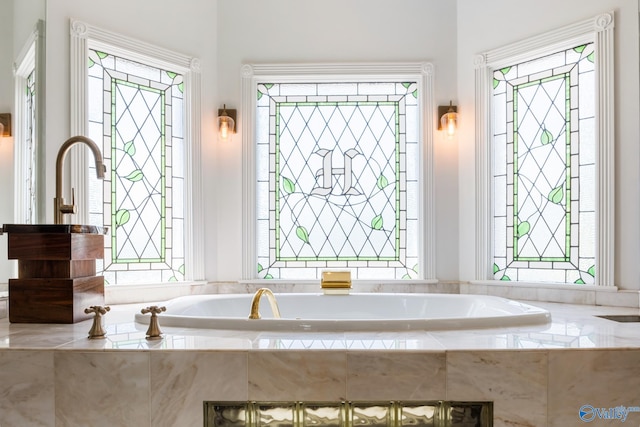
point(353, 312)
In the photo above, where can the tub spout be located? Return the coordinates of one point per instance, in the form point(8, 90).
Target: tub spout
point(59, 207)
point(255, 303)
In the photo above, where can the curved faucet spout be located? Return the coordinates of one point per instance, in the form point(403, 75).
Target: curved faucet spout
point(59, 207)
point(255, 303)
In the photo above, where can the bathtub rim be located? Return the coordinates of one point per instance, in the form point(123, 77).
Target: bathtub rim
point(534, 316)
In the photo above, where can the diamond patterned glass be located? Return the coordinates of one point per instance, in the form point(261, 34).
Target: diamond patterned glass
point(136, 110)
point(544, 169)
point(30, 157)
point(337, 179)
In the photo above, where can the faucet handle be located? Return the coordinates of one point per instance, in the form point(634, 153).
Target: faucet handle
point(96, 331)
point(153, 332)
point(69, 209)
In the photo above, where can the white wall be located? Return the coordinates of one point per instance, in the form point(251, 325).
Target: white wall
point(488, 24)
point(6, 145)
point(258, 31)
point(19, 18)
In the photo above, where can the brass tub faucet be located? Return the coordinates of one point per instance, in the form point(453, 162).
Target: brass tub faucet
point(255, 303)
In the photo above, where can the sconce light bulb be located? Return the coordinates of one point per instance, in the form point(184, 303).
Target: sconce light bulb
point(224, 130)
point(451, 128)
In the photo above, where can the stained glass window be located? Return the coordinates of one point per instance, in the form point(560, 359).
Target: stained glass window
point(544, 168)
point(337, 179)
point(30, 156)
point(137, 111)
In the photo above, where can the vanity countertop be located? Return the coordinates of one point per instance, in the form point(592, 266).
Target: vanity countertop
point(52, 228)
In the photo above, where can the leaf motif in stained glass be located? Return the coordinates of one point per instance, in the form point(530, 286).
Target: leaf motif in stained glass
point(259, 95)
point(173, 279)
point(496, 82)
point(546, 137)
point(415, 94)
point(171, 75)
point(377, 222)
point(495, 268)
point(135, 176)
point(302, 233)
point(406, 85)
point(122, 217)
point(556, 195)
point(101, 55)
point(406, 276)
point(181, 269)
point(523, 229)
point(580, 49)
point(130, 148)
point(592, 271)
point(181, 87)
point(268, 276)
point(591, 56)
point(382, 181)
point(506, 278)
point(260, 268)
point(91, 63)
point(268, 85)
point(505, 70)
point(289, 186)
point(579, 282)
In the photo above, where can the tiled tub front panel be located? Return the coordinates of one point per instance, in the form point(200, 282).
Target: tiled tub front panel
point(167, 388)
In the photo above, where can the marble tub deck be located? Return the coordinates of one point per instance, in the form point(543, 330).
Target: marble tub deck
point(52, 375)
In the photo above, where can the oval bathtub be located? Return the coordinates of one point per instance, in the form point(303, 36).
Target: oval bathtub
point(353, 312)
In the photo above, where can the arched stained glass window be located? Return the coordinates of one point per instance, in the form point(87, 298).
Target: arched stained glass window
point(544, 168)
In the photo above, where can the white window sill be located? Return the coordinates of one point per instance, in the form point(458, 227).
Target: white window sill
point(555, 292)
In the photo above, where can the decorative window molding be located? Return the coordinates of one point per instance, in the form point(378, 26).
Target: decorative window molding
point(257, 74)
point(85, 36)
point(29, 73)
point(598, 31)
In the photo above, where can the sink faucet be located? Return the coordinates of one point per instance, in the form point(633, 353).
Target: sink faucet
point(255, 303)
point(58, 203)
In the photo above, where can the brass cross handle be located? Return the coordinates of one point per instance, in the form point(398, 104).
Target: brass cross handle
point(96, 331)
point(154, 332)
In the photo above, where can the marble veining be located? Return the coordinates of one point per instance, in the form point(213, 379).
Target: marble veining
point(392, 375)
point(101, 388)
point(27, 400)
point(517, 377)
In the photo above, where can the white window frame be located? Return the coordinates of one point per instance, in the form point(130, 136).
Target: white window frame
point(254, 74)
point(30, 58)
point(85, 36)
point(598, 30)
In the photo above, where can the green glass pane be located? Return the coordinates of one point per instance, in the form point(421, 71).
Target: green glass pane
point(544, 168)
point(343, 173)
point(136, 110)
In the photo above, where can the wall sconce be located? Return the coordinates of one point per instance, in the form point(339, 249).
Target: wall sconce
point(5, 125)
point(448, 119)
point(226, 123)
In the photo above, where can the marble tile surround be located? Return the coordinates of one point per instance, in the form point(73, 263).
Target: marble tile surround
point(536, 376)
